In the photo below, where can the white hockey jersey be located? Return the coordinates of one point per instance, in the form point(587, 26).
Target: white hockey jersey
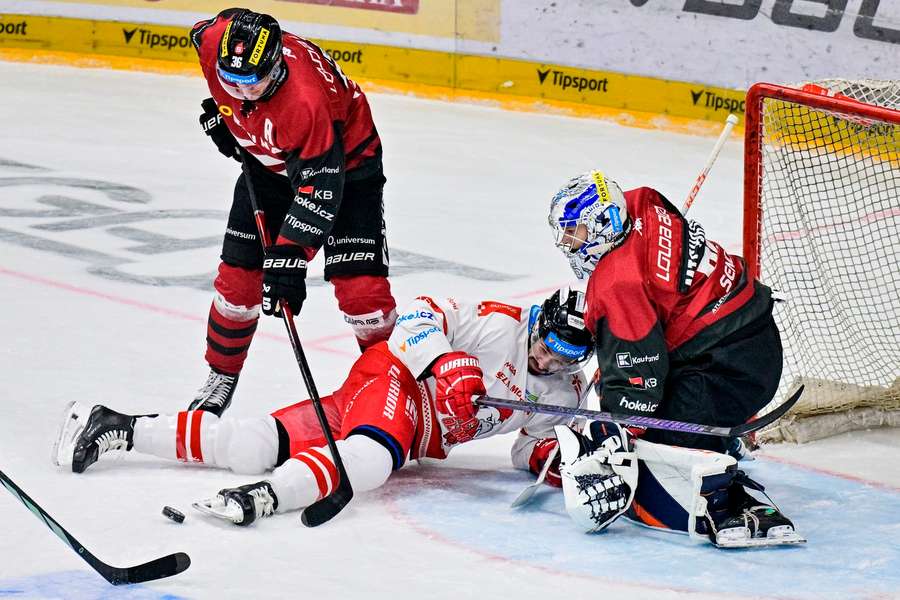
point(497, 334)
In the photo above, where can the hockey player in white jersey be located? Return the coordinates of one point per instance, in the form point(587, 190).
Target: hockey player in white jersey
point(410, 397)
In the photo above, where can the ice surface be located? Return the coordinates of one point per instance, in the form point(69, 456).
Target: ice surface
point(112, 206)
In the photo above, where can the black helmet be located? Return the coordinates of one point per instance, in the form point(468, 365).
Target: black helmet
point(250, 49)
point(559, 324)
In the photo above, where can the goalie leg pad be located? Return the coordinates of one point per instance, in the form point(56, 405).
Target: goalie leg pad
point(678, 488)
point(599, 474)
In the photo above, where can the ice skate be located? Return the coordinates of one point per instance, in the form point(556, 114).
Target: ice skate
point(756, 525)
point(87, 434)
point(241, 505)
point(215, 395)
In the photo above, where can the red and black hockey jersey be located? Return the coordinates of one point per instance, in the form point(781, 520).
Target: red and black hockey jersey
point(661, 299)
point(316, 129)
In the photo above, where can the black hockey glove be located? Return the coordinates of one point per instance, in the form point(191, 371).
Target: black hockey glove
point(284, 278)
point(215, 128)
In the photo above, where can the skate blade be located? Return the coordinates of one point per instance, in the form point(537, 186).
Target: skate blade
point(785, 539)
point(214, 507)
point(74, 419)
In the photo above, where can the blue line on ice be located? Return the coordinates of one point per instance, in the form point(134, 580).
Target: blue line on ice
point(74, 585)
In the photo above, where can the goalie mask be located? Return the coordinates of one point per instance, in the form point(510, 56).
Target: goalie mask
point(588, 217)
point(250, 65)
point(558, 338)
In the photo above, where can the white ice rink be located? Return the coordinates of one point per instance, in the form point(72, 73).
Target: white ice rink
point(112, 208)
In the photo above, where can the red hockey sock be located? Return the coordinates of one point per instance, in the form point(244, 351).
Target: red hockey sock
point(368, 306)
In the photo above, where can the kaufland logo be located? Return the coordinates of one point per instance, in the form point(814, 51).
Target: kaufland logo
point(625, 360)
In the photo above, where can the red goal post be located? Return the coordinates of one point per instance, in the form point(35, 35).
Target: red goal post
point(822, 228)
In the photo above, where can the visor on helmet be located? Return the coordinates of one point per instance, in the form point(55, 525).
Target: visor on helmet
point(248, 87)
point(552, 354)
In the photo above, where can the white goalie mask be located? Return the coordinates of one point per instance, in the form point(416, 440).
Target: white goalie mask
point(588, 217)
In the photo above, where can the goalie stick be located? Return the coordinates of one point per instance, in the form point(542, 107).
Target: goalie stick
point(730, 122)
point(323, 509)
point(167, 566)
point(525, 495)
point(649, 422)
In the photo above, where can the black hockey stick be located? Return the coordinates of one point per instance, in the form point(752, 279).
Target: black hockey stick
point(166, 566)
point(649, 422)
point(326, 508)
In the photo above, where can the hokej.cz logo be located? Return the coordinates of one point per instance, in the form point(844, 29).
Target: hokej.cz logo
point(419, 314)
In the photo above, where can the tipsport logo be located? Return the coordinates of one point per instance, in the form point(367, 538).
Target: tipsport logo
point(149, 39)
point(565, 81)
point(716, 102)
point(346, 57)
point(18, 29)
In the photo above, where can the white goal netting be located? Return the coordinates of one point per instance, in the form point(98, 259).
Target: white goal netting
point(828, 242)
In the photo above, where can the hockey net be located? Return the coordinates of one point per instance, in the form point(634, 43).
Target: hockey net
point(822, 228)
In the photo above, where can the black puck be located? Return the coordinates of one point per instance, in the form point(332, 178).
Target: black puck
point(171, 513)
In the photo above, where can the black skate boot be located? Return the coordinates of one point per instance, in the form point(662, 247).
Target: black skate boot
point(749, 522)
point(215, 395)
point(104, 430)
point(760, 522)
point(241, 505)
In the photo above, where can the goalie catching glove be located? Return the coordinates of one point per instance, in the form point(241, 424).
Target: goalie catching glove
point(599, 474)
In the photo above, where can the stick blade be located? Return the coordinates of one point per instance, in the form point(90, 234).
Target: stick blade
point(325, 509)
point(160, 568)
point(770, 417)
point(525, 496)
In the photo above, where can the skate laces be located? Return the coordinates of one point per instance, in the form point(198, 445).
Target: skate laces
point(265, 503)
point(115, 439)
point(216, 389)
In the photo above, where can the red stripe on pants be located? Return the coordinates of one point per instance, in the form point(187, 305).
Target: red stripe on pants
point(180, 432)
point(329, 465)
point(196, 419)
point(317, 473)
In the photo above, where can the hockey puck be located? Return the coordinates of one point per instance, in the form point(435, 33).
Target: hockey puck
point(171, 513)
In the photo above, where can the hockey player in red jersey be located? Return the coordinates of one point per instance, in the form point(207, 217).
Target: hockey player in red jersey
point(410, 397)
point(681, 331)
point(314, 157)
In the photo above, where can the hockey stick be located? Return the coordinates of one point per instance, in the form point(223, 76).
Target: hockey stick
point(525, 495)
point(730, 122)
point(166, 566)
point(327, 507)
point(649, 422)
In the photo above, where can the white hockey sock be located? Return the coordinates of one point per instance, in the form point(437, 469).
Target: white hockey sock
point(242, 445)
point(311, 474)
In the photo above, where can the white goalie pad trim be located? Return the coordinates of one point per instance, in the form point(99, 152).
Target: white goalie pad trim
point(680, 471)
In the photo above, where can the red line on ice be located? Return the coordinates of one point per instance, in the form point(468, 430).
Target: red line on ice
point(838, 474)
point(315, 344)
